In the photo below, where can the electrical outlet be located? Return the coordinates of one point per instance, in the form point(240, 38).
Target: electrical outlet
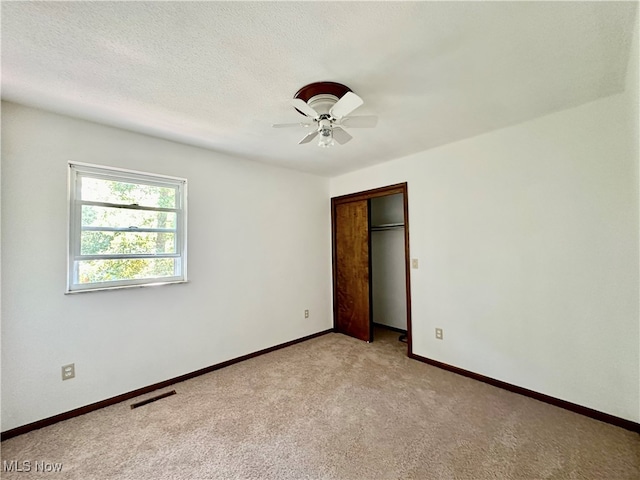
point(439, 333)
point(306, 314)
point(68, 371)
point(414, 263)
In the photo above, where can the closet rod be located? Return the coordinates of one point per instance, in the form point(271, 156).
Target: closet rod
point(388, 226)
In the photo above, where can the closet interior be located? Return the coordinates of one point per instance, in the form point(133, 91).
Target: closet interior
point(388, 276)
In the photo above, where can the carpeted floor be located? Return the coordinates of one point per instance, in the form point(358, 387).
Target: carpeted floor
point(333, 408)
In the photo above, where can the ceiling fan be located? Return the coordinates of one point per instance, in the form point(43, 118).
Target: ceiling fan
point(327, 106)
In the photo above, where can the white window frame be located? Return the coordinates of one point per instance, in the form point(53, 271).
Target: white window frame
point(77, 170)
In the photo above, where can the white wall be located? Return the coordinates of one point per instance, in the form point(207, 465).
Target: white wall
point(528, 245)
point(633, 123)
point(259, 255)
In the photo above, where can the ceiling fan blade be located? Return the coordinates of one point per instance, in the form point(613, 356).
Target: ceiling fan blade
point(347, 104)
point(284, 125)
point(361, 121)
point(341, 136)
point(301, 105)
point(308, 137)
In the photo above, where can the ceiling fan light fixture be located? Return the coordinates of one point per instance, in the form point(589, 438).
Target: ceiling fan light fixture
point(325, 139)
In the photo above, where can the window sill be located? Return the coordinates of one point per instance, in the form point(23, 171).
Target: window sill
point(120, 287)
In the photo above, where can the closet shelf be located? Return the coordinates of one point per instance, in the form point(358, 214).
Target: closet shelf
point(386, 226)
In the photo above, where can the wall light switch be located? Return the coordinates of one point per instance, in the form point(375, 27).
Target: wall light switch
point(439, 333)
point(414, 263)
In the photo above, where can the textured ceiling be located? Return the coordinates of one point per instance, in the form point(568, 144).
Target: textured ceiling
point(218, 74)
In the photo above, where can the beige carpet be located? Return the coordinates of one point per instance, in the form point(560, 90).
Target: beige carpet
point(332, 407)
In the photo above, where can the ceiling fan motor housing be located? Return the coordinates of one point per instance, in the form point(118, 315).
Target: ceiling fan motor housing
point(321, 96)
point(323, 103)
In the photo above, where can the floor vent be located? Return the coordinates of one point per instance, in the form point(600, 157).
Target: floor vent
point(153, 399)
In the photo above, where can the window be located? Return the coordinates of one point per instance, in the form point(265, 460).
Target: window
point(125, 228)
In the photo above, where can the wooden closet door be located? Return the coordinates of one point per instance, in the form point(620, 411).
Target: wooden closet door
point(351, 269)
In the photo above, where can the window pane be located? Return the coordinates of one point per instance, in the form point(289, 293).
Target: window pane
point(97, 243)
point(93, 216)
point(95, 271)
point(130, 230)
point(112, 191)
